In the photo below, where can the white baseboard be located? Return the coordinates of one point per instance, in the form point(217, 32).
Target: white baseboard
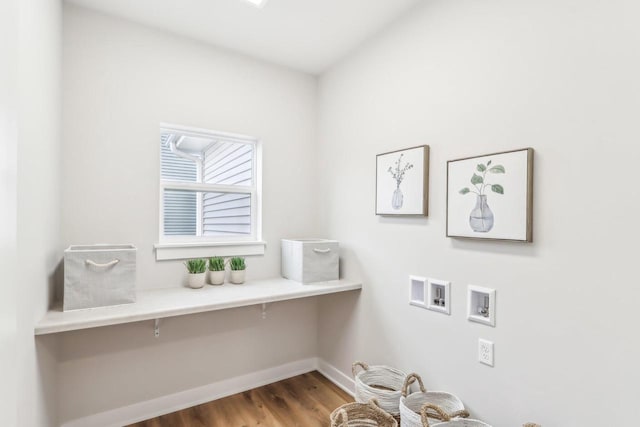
point(185, 399)
point(337, 377)
point(196, 396)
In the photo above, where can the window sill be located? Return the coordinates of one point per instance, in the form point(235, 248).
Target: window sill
point(174, 251)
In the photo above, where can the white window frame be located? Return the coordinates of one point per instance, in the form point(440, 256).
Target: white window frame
point(185, 247)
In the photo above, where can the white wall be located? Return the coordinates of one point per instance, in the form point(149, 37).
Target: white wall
point(9, 13)
point(120, 81)
point(38, 202)
point(471, 78)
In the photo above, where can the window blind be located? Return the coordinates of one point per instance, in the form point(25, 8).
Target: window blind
point(180, 207)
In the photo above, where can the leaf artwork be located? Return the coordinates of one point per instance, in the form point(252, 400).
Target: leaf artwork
point(480, 181)
point(481, 218)
point(497, 188)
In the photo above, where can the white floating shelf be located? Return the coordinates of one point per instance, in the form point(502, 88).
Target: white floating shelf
point(161, 303)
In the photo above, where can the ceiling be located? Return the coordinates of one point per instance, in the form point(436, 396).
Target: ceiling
point(307, 35)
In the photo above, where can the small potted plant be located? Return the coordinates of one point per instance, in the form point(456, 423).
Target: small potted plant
point(216, 270)
point(238, 268)
point(197, 269)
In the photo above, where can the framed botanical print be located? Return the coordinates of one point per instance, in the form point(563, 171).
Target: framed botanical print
point(402, 182)
point(491, 196)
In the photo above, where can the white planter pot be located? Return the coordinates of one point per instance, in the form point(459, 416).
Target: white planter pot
point(237, 276)
point(216, 277)
point(196, 281)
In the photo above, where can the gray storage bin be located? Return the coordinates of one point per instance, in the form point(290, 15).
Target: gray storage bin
point(99, 276)
point(310, 260)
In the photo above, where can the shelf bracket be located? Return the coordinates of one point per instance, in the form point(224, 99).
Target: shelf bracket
point(156, 328)
point(264, 310)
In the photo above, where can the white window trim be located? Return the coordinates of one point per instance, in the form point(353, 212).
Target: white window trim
point(185, 247)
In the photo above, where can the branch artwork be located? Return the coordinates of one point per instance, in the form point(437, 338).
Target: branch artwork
point(398, 173)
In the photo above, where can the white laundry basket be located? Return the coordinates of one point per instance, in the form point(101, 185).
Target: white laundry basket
point(99, 275)
point(412, 404)
point(382, 383)
point(429, 410)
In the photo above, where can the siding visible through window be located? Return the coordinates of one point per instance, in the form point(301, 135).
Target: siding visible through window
point(227, 163)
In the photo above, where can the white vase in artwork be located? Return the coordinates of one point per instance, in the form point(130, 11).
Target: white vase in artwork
point(397, 199)
point(481, 217)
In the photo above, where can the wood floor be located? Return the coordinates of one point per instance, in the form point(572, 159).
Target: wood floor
point(302, 401)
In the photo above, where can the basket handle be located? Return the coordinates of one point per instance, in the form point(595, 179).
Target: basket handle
point(363, 365)
point(463, 413)
point(410, 379)
point(105, 265)
point(375, 406)
point(373, 402)
point(424, 414)
point(341, 419)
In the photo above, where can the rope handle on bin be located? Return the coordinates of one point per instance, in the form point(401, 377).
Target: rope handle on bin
point(105, 265)
point(322, 251)
point(424, 414)
point(411, 378)
point(363, 365)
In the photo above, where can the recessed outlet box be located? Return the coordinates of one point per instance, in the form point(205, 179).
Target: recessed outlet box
point(439, 296)
point(418, 290)
point(485, 352)
point(481, 305)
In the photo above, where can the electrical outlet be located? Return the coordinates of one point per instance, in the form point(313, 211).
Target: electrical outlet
point(485, 352)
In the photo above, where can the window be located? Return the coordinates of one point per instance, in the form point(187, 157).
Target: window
point(209, 194)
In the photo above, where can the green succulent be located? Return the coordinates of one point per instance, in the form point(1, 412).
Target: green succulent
point(237, 263)
point(216, 263)
point(196, 266)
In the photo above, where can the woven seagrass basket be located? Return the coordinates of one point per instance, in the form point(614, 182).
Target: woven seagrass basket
point(382, 383)
point(362, 415)
point(412, 404)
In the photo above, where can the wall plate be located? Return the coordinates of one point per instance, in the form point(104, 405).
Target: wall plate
point(481, 305)
point(485, 352)
point(418, 291)
point(439, 296)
